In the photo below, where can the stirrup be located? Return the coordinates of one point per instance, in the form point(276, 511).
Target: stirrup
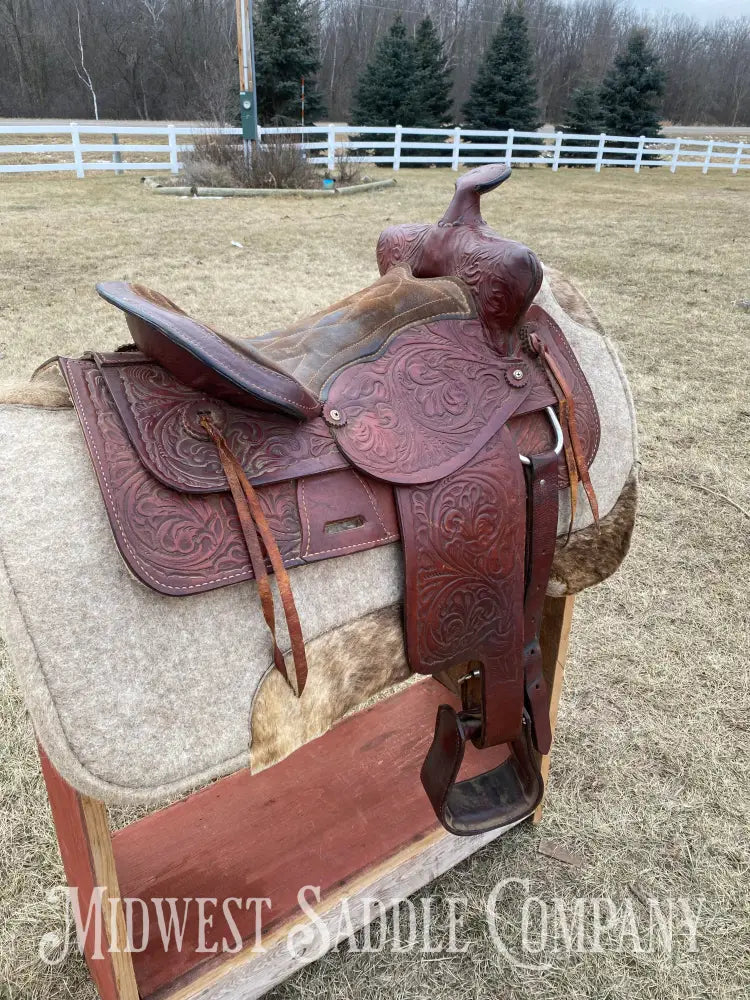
point(494, 799)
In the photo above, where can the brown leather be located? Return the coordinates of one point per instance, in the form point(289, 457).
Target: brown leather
point(284, 370)
point(503, 275)
point(465, 209)
point(222, 460)
point(143, 432)
point(163, 422)
point(574, 452)
point(497, 798)
point(316, 348)
point(254, 523)
point(425, 407)
point(511, 791)
point(464, 539)
point(204, 359)
point(541, 535)
point(344, 512)
point(538, 321)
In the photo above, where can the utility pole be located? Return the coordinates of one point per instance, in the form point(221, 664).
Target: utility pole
point(246, 58)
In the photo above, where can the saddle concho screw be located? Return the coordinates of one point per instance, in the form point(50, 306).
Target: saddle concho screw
point(335, 417)
point(517, 377)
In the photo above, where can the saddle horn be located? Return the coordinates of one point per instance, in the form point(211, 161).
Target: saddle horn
point(464, 209)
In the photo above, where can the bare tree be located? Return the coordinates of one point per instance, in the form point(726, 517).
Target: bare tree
point(177, 58)
point(83, 74)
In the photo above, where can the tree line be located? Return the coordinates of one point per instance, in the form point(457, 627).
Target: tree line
point(176, 59)
point(408, 82)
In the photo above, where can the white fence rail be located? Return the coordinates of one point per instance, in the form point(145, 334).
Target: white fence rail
point(392, 146)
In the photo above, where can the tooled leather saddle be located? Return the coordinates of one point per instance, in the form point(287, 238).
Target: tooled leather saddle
point(438, 407)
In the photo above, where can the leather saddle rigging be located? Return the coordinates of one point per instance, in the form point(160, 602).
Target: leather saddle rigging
point(437, 407)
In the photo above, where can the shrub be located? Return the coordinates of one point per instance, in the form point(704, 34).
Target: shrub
point(348, 169)
point(277, 163)
point(219, 161)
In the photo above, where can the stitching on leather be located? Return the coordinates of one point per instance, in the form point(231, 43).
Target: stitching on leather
point(301, 485)
point(441, 298)
point(373, 501)
point(386, 537)
point(357, 545)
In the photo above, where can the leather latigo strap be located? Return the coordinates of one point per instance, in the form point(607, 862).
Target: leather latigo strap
point(510, 792)
point(541, 534)
point(162, 417)
point(575, 459)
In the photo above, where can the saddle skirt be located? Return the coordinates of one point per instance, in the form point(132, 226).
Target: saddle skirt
point(437, 407)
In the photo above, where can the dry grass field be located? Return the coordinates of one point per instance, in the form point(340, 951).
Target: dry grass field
point(650, 767)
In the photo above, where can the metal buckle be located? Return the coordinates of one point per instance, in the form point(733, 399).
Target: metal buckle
point(466, 705)
point(550, 410)
point(469, 676)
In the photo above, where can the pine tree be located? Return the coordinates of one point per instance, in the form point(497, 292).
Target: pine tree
point(631, 92)
point(503, 95)
point(584, 115)
point(384, 94)
point(431, 95)
point(285, 53)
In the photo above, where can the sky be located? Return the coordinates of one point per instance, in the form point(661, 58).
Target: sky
point(702, 10)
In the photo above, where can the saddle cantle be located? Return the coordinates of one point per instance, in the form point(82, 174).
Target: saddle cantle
point(437, 407)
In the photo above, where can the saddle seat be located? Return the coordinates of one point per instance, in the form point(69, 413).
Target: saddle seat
point(287, 370)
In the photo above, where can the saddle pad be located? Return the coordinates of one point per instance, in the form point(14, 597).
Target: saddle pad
point(137, 696)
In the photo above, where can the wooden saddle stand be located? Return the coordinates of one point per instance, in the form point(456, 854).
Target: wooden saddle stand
point(438, 407)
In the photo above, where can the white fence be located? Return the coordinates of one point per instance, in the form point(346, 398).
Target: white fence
point(392, 146)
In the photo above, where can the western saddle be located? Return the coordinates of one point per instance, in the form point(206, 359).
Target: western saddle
point(438, 406)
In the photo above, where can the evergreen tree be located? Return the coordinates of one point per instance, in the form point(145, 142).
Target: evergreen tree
point(503, 95)
point(584, 115)
point(385, 92)
point(431, 95)
point(631, 92)
point(285, 53)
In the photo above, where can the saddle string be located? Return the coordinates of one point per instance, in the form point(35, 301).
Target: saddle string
point(257, 560)
point(253, 523)
point(574, 454)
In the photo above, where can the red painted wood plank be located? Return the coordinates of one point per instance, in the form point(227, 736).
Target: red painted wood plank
point(340, 805)
point(73, 839)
